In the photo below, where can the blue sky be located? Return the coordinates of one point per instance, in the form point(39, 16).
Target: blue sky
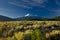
point(19, 8)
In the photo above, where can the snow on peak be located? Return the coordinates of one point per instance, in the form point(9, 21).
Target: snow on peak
point(27, 15)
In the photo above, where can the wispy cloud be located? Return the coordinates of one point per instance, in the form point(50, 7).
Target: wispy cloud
point(1, 9)
point(56, 11)
point(39, 1)
point(28, 3)
point(19, 4)
point(57, 2)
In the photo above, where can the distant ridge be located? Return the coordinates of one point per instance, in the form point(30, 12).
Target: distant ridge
point(57, 18)
point(29, 18)
point(5, 18)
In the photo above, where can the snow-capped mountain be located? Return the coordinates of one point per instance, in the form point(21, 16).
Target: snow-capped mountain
point(29, 17)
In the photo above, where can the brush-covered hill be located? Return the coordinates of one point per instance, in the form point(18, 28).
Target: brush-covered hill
point(5, 18)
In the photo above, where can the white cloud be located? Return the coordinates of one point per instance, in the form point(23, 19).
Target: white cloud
point(56, 11)
point(26, 0)
point(40, 1)
point(19, 4)
point(1, 9)
point(28, 3)
point(57, 2)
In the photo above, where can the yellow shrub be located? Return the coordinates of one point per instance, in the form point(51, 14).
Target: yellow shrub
point(19, 35)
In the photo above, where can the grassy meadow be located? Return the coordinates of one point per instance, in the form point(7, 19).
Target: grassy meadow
point(29, 30)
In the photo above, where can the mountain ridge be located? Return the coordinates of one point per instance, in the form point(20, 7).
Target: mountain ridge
point(5, 18)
